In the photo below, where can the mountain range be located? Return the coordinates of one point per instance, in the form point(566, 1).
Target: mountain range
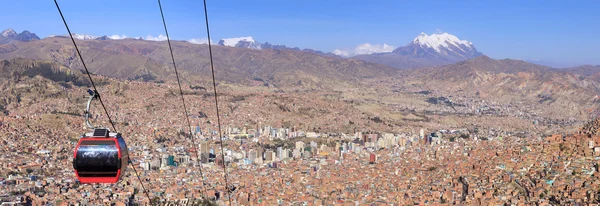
point(10, 35)
point(507, 81)
point(239, 42)
point(250, 43)
point(459, 69)
point(150, 60)
point(245, 60)
point(239, 57)
point(587, 71)
point(424, 51)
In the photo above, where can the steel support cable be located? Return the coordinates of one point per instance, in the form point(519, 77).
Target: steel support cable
point(84, 66)
point(212, 68)
point(142, 183)
point(96, 90)
point(182, 98)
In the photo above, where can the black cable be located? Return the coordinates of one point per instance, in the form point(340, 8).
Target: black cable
point(212, 68)
point(182, 98)
point(95, 90)
point(139, 179)
point(84, 66)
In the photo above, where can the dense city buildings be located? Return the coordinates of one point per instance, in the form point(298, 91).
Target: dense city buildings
point(269, 161)
point(285, 166)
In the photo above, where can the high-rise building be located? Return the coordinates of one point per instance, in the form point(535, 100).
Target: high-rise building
point(252, 155)
point(267, 130)
point(164, 160)
point(274, 133)
point(171, 160)
point(203, 147)
point(300, 145)
point(273, 155)
point(313, 144)
point(280, 153)
point(198, 131)
point(402, 142)
point(183, 159)
point(269, 156)
point(260, 153)
point(155, 163)
point(145, 165)
point(285, 153)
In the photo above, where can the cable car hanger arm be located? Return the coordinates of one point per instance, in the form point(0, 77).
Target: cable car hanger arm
point(94, 95)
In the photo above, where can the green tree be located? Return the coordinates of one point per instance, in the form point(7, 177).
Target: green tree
point(205, 202)
point(155, 201)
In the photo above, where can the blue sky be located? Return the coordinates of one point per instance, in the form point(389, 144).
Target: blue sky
point(559, 31)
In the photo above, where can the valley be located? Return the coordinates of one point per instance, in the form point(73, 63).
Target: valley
point(305, 121)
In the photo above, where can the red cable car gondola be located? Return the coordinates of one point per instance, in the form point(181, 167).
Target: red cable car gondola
point(101, 156)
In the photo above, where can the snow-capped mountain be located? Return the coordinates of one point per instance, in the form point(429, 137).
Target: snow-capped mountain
point(9, 35)
point(243, 42)
point(439, 46)
point(250, 43)
point(426, 50)
point(441, 41)
point(92, 37)
point(84, 36)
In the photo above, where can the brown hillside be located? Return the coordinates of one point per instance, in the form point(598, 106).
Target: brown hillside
point(133, 58)
point(509, 81)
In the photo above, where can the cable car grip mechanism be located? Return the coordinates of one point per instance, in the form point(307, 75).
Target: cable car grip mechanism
point(93, 95)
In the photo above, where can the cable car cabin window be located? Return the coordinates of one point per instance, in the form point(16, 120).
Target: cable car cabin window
point(97, 158)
